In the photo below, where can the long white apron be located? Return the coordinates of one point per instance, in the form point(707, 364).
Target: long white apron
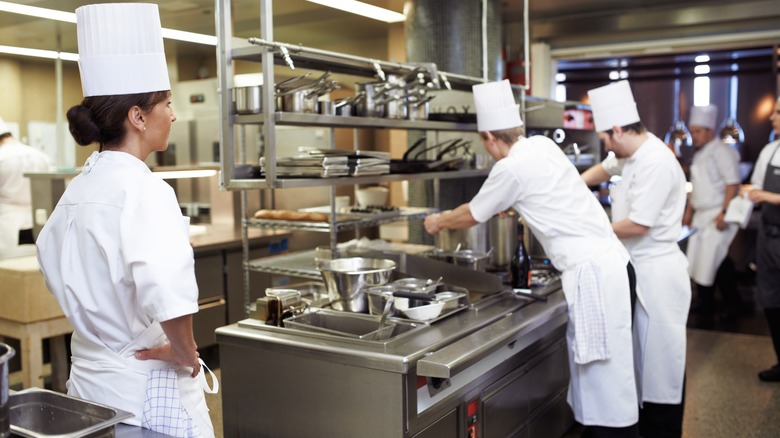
point(660, 317)
point(708, 246)
point(602, 392)
point(162, 398)
point(11, 219)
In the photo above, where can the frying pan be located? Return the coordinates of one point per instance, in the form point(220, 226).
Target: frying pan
point(410, 163)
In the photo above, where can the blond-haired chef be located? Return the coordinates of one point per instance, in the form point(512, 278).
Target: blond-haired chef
point(647, 209)
point(115, 251)
point(533, 176)
point(715, 180)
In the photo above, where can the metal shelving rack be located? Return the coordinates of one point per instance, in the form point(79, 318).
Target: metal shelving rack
point(268, 53)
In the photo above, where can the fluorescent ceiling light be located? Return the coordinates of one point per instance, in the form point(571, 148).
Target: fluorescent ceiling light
point(37, 53)
point(34, 11)
point(70, 17)
point(363, 9)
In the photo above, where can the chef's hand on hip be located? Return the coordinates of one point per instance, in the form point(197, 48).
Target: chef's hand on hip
point(432, 223)
point(168, 354)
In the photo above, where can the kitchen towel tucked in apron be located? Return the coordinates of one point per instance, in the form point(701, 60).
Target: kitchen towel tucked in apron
point(590, 326)
point(130, 379)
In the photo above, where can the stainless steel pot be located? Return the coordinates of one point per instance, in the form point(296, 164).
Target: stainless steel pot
point(369, 100)
point(475, 238)
point(6, 353)
point(419, 110)
point(346, 278)
point(502, 235)
point(395, 108)
point(246, 100)
point(300, 101)
point(470, 259)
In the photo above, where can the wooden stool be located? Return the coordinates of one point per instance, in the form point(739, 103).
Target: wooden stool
point(30, 313)
point(31, 336)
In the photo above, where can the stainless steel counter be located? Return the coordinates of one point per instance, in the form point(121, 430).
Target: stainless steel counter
point(419, 383)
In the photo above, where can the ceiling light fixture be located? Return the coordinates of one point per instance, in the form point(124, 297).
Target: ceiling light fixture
point(70, 17)
point(37, 53)
point(363, 9)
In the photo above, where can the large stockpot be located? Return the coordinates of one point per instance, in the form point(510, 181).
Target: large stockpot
point(346, 278)
point(6, 353)
point(499, 234)
point(502, 235)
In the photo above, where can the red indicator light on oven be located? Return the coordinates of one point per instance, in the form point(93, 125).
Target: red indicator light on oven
point(472, 408)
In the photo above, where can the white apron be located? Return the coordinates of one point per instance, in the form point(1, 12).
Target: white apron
point(602, 392)
point(663, 300)
point(165, 399)
point(11, 219)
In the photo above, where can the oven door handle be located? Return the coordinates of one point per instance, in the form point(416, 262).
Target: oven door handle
point(517, 328)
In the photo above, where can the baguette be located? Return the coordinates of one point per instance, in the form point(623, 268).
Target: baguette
point(289, 215)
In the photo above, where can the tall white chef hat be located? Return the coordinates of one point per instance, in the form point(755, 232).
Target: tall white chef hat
point(496, 107)
point(705, 116)
point(121, 49)
point(613, 105)
point(4, 129)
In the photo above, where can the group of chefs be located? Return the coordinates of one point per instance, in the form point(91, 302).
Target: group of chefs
point(627, 284)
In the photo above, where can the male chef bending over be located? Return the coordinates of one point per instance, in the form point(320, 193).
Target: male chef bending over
point(533, 176)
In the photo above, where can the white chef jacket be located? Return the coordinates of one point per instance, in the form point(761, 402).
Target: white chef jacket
point(540, 183)
point(713, 168)
point(652, 193)
point(759, 170)
point(16, 159)
point(654, 186)
point(116, 255)
point(719, 163)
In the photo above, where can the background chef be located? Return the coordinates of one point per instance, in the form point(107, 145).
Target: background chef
point(715, 180)
point(765, 189)
point(534, 177)
point(115, 251)
point(647, 210)
point(16, 159)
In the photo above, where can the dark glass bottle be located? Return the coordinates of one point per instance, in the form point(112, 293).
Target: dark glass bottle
point(520, 268)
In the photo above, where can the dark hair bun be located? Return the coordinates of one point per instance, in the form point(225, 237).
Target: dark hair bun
point(82, 126)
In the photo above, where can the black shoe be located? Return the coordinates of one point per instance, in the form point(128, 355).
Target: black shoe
point(770, 375)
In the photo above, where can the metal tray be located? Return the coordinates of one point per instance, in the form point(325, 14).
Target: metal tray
point(39, 413)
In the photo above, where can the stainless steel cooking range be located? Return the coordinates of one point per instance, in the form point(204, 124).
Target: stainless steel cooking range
point(491, 364)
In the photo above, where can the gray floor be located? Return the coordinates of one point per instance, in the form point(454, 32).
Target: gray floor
point(724, 396)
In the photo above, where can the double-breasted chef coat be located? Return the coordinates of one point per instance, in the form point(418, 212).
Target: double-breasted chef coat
point(116, 255)
point(713, 168)
point(766, 176)
point(652, 193)
point(540, 183)
point(16, 159)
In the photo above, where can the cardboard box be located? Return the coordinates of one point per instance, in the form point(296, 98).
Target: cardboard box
point(23, 293)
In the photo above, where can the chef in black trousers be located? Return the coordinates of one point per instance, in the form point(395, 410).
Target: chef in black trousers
point(765, 189)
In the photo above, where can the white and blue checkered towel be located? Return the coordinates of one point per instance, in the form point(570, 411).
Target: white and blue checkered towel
point(163, 411)
point(590, 324)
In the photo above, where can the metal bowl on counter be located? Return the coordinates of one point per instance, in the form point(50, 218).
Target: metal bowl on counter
point(346, 278)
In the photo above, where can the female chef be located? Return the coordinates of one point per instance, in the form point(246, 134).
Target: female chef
point(533, 176)
point(115, 251)
point(765, 189)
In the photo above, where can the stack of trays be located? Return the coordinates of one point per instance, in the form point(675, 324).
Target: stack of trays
point(310, 166)
point(360, 163)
